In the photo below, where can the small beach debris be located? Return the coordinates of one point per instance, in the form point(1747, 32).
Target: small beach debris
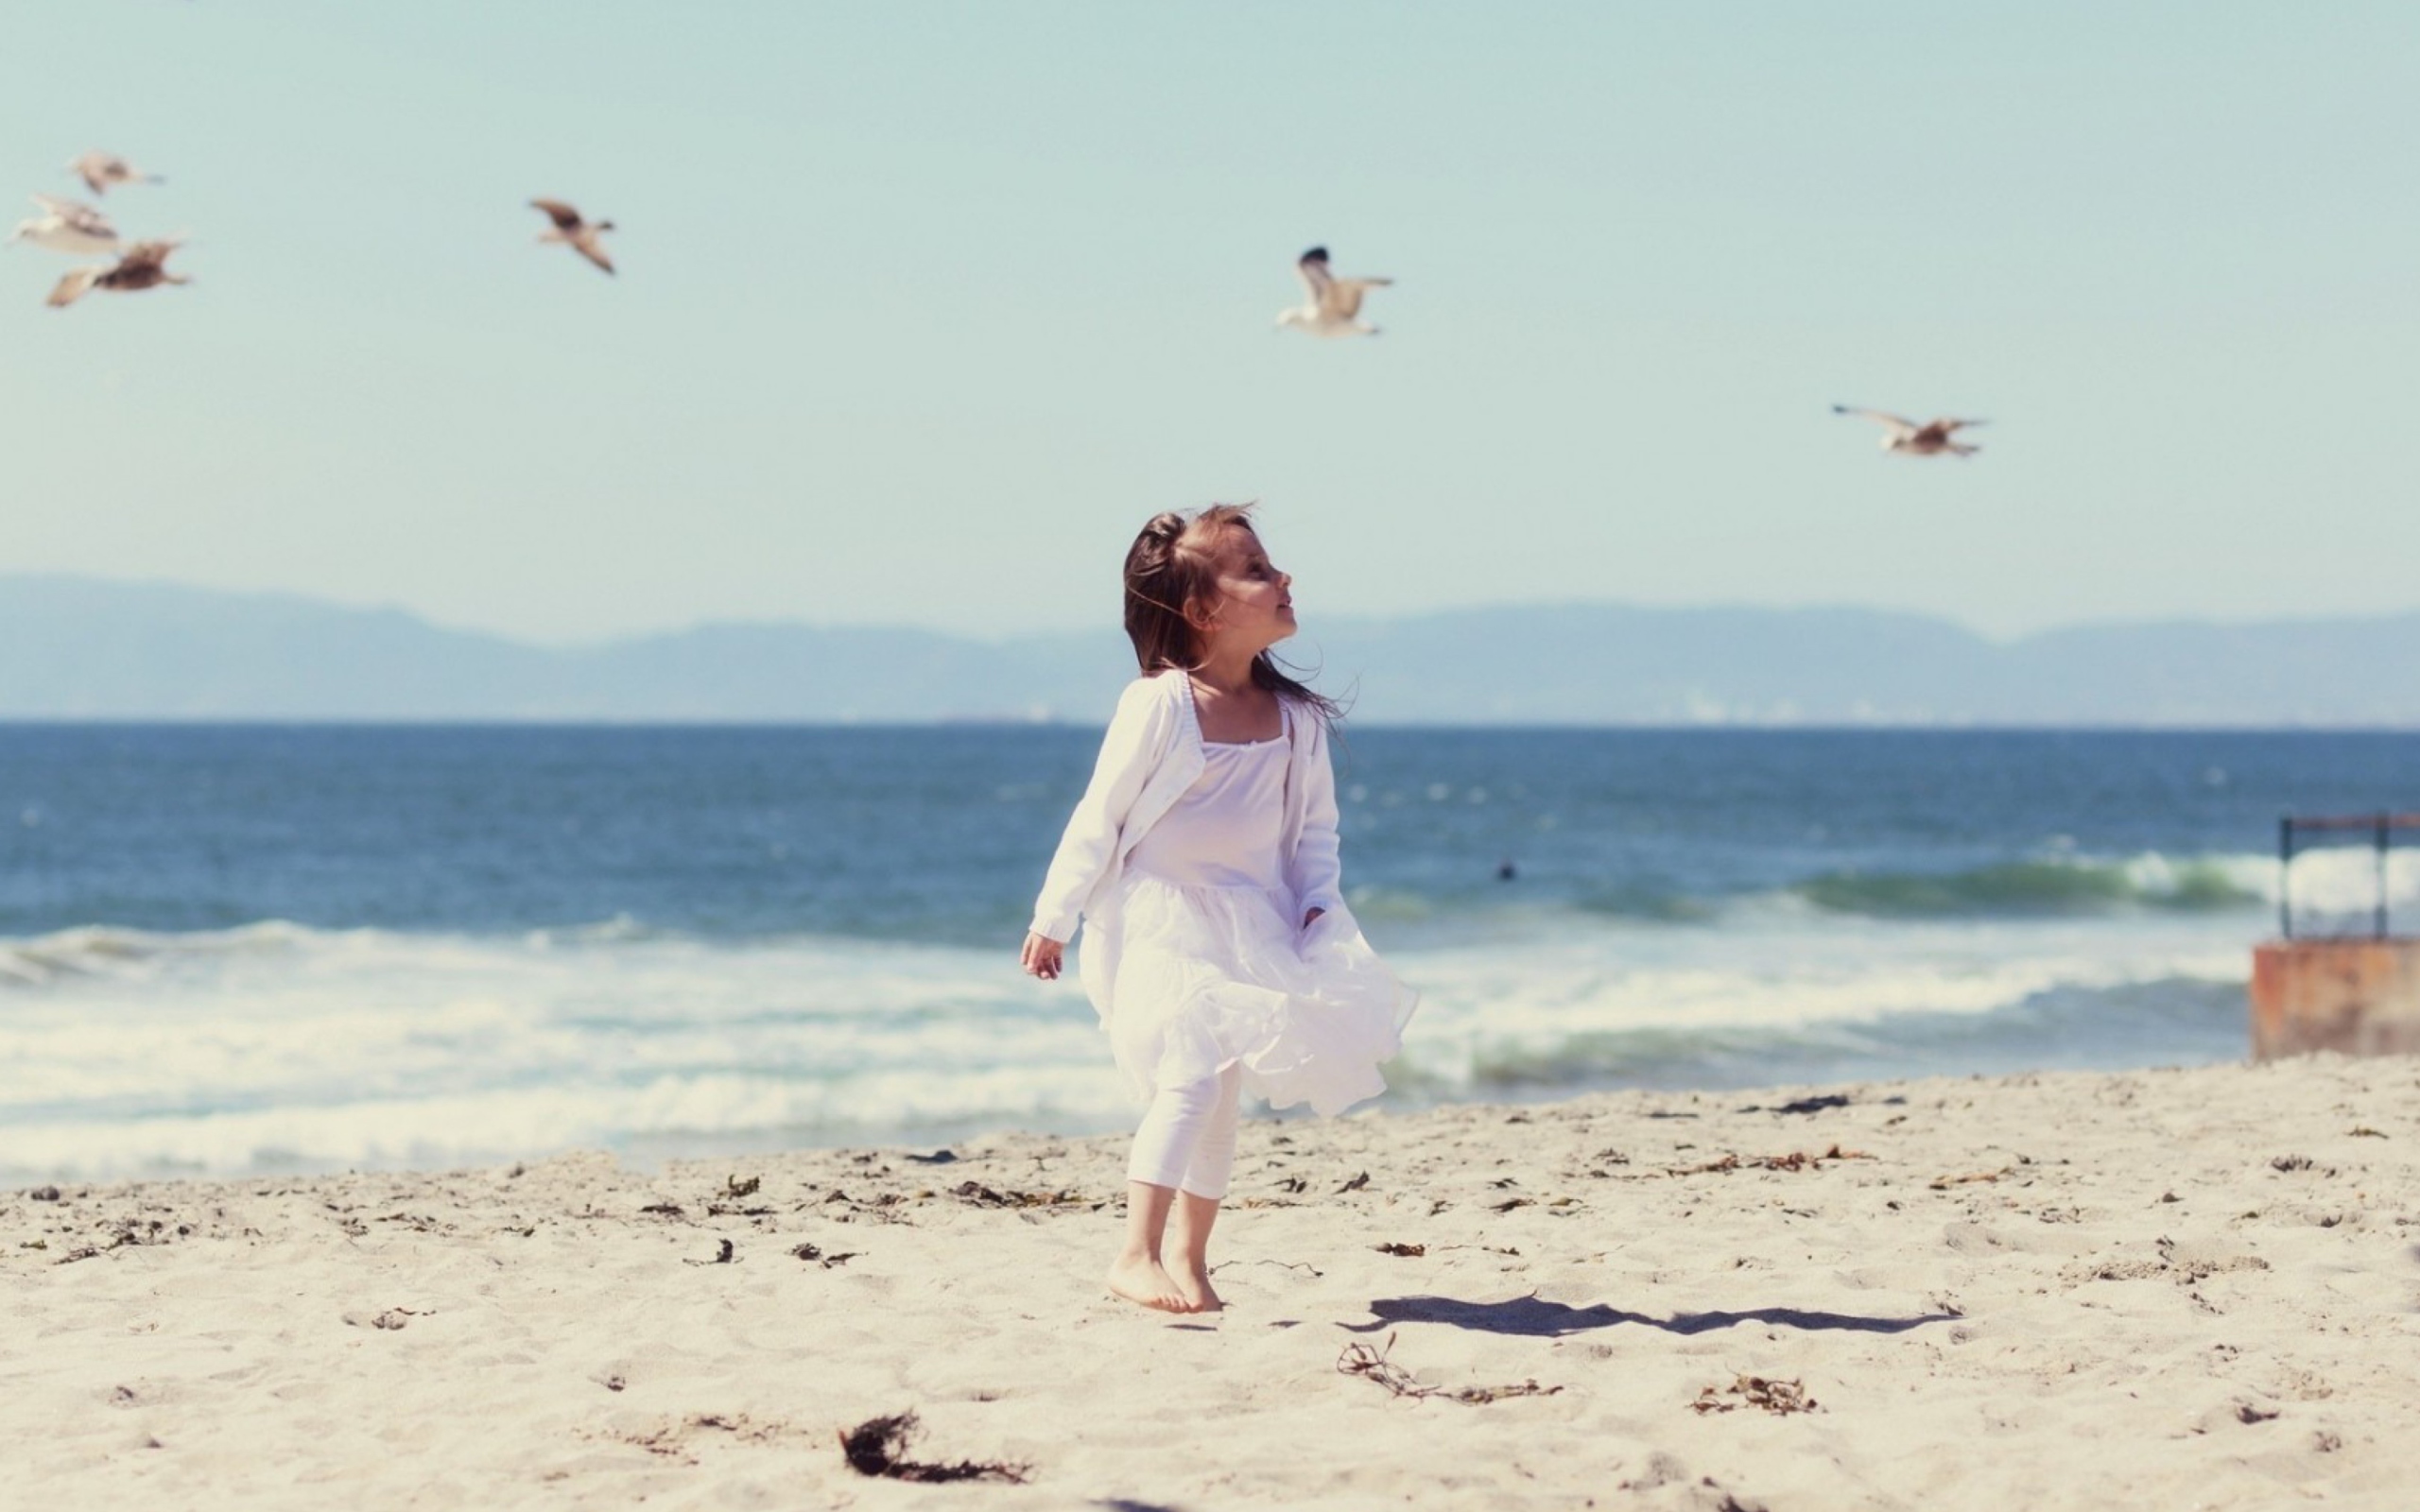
point(1780, 1398)
point(43, 1193)
point(983, 1196)
point(1804, 1104)
point(1942, 1183)
point(664, 1210)
point(1407, 1251)
point(878, 1445)
point(1353, 1185)
point(2364, 1131)
point(724, 1251)
point(733, 1186)
point(937, 1158)
point(395, 1318)
point(1373, 1365)
point(1794, 1160)
point(816, 1253)
point(1292, 1184)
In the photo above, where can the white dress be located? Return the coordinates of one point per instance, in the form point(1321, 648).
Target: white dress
point(1213, 967)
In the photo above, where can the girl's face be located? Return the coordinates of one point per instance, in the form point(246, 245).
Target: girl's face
point(1254, 605)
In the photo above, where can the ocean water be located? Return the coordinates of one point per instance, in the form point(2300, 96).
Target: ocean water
point(233, 950)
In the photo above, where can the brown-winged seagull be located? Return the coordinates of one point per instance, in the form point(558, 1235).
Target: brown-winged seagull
point(143, 265)
point(1335, 308)
point(101, 169)
point(67, 226)
point(578, 234)
point(1903, 435)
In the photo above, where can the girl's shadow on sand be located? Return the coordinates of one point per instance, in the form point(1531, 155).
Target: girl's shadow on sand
point(1535, 1317)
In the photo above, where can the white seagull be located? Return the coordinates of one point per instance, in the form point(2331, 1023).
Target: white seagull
point(101, 169)
point(578, 234)
point(143, 265)
point(67, 226)
point(1930, 438)
point(1335, 309)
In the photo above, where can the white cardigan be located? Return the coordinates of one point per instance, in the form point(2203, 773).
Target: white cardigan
point(1152, 754)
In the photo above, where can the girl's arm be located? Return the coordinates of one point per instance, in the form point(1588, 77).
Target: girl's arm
point(1313, 871)
point(1127, 753)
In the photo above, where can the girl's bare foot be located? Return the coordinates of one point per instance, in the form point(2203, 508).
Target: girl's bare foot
point(1142, 1280)
point(1200, 1295)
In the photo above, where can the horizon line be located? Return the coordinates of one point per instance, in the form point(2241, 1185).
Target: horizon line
point(621, 638)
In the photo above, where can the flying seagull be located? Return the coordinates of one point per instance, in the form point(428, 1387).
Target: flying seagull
point(67, 226)
point(575, 232)
point(101, 169)
point(1335, 307)
point(143, 265)
point(1930, 438)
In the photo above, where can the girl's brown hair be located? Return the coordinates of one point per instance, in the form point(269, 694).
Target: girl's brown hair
point(1168, 571)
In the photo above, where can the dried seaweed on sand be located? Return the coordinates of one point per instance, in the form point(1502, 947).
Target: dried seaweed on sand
point(876, 1447)
point(1794, 1160)
point(1373, 1365)
point(1780, 1398)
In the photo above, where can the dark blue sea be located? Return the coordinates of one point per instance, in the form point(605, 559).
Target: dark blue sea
point(235, 948)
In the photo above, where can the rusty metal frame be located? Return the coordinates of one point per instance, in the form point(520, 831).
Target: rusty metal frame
point(2381, 828)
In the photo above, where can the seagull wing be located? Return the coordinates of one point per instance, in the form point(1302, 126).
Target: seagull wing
point(143, 255)
point(1945, 425)
point(1343, 299)
point(73, 287)
point(1312, 266)
point(594, 250)
point(1897, 424)
point(77, 215)
point(564, 217)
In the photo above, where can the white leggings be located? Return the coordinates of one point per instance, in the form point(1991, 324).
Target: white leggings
point(1187, 1136)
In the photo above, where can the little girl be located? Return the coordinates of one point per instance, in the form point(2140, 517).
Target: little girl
point(1202, 857)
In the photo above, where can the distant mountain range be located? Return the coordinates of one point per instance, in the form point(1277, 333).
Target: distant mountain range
point(83, 648)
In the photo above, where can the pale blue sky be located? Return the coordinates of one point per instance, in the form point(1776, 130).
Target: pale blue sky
point(924, 308)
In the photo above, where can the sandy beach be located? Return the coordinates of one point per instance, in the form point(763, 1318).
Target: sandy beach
point(2178, 1289)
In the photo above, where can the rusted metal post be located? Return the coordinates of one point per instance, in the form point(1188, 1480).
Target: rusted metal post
point(2382, 873)
point(2286, 877)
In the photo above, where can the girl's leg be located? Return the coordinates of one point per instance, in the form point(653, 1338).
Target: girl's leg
point(1204, 1187)
point(1163, 1148)
point(1137, 1274)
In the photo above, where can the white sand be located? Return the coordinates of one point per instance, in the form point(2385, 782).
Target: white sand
point(2182, 1289)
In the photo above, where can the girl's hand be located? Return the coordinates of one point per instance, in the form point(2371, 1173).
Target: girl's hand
point(1042, 956)
point(1312, 918)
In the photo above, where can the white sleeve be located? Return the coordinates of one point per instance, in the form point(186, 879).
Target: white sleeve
point(1314, 871)
point(1137, 735)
